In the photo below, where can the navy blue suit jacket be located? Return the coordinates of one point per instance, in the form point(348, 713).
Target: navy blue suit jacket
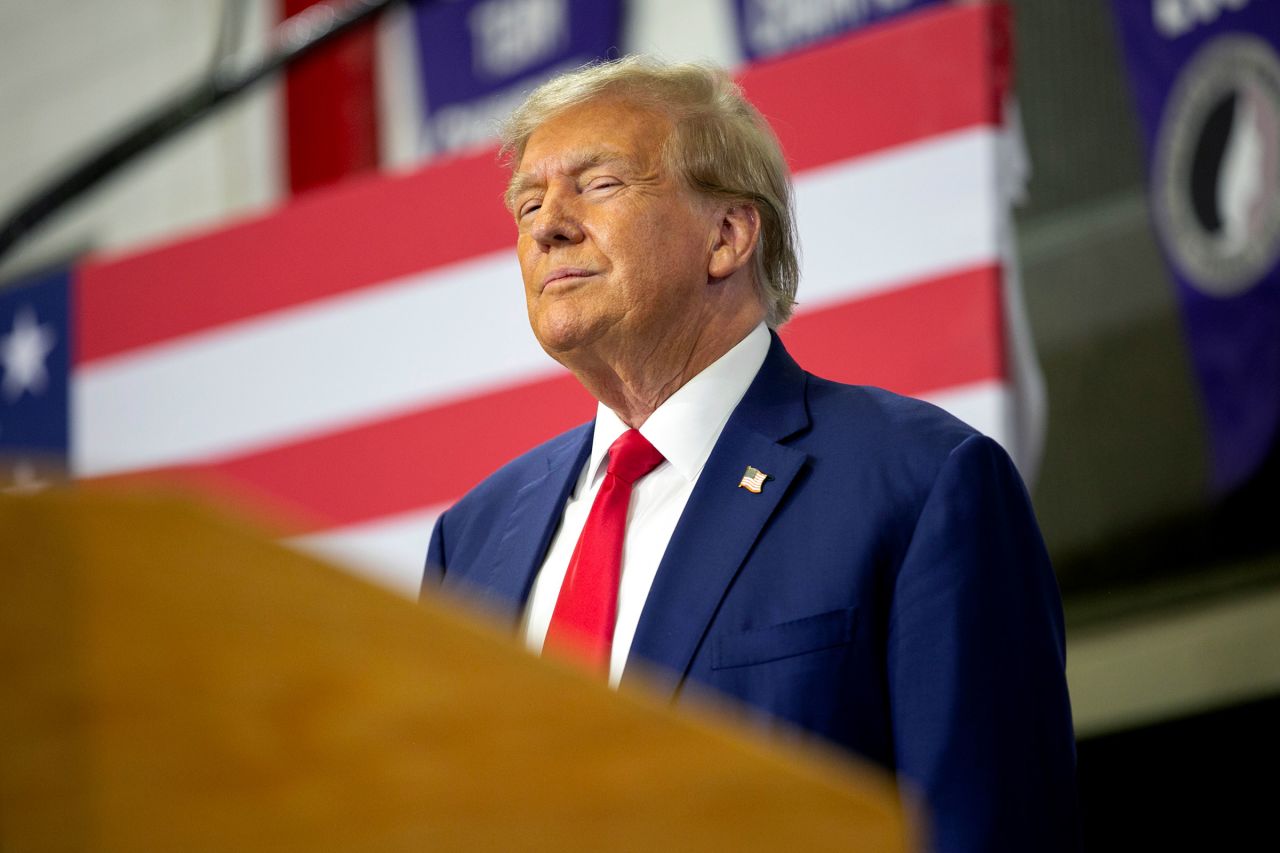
point(888, 590)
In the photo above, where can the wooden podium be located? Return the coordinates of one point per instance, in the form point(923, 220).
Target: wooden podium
point(172, 680)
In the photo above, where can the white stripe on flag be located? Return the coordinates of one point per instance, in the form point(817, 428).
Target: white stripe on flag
point(914, 212)
point(388, 552)
point(454, 331)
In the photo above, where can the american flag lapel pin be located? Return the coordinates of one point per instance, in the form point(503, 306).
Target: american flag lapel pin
point(753, 480)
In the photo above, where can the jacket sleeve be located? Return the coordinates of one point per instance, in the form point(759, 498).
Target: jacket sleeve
point(976, 665)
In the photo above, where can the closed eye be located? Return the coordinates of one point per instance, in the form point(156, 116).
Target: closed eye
point(529, 207)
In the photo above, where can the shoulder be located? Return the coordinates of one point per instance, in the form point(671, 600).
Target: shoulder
point(846, 428)
point(876, 453)
point(462, 532)
point(871, 423)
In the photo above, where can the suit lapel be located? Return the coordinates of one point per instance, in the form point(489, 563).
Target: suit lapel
point(721, 522)
point(535, 513)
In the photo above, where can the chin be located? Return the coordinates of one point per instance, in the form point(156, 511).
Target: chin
point(558, 340)
point(561, 332)
point(557, 349)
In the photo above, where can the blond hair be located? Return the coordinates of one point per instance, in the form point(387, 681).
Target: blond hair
point(721, 147)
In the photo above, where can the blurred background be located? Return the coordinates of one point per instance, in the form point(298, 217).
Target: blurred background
point(1139, 227)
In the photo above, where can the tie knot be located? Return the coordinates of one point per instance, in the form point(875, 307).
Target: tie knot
point(632, 456)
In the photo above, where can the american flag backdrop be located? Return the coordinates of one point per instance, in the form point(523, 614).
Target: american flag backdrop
point(360, 358)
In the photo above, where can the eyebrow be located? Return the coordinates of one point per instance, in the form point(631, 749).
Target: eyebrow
point(574, 163)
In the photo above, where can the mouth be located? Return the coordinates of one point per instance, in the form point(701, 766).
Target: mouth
point(565, 276)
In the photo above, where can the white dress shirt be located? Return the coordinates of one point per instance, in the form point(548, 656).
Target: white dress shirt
point(684, 429)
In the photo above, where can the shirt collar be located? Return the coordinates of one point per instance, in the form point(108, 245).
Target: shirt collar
point(686, 426)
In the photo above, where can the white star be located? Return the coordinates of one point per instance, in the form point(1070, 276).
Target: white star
point(22, 355)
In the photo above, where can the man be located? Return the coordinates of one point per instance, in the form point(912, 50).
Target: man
point(843, 560)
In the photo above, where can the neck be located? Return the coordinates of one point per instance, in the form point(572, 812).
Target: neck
point(637, 377)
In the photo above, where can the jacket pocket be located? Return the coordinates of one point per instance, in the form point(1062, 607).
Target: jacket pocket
point(787, 639)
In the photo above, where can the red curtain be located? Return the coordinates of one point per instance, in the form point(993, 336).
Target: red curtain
point(331, 108)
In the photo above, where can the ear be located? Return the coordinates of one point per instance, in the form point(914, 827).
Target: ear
point(734, 241)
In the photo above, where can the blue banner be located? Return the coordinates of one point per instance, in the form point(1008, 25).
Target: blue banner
point(478, 58)
point(770, 27)
point(1206, 80)
point(35, 360)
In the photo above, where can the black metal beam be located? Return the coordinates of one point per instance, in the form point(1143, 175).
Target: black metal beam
point(294, 38)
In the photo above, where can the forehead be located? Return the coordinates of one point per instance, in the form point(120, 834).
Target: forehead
point(598, 131)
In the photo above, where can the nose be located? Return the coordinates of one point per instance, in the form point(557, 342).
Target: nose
point(557, 221)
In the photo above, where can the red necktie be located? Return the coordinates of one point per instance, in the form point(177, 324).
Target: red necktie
point(582, 623)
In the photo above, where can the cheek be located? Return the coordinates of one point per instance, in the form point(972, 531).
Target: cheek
point(637, 243)
point(527, 257)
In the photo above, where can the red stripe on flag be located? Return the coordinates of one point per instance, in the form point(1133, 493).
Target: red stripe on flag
point(921, 75)
point(328, 242)
point(900, 83)
point(927, 336)
point(934, 334)
point(426, 457)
